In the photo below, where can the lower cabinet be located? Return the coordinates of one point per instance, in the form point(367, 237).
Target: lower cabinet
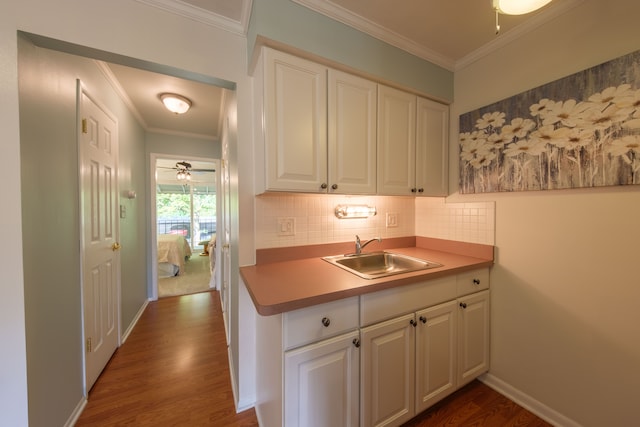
point(408, 363)
point(374, 360)
point(321, 383)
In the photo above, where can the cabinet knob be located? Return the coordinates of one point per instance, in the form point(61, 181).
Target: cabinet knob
point(420, 190)
point(476, 281)
point(423, 319)
point(334, 187)
point(356, 342)
point(413, 323)
point(326, 322)
point(463, 304)
point(413, 190)
point(323, 185)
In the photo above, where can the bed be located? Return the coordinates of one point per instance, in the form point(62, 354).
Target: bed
point(173, 250)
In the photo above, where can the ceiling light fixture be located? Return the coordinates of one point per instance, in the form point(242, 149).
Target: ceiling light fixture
point(516, 7)
point(175, 103)
point(183, 173)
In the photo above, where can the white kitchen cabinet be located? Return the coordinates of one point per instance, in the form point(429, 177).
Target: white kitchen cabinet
point(352, 134)
point(412, 144)
point(295, 122)
point(322, 383)
point(396, 141)
point(319, 127)
point(473, 336)
point(436, 347)
point(432, 148)
point(387, 375)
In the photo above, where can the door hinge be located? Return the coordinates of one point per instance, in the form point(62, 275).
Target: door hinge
point(84, 125)
point(89, 345)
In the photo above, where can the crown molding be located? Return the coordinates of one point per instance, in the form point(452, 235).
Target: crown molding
point(517, 32)
point(195, 13)
point(347, 17)
point(350, 19)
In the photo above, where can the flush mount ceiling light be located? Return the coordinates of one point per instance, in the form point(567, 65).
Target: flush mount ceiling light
point(518, 7)
point(175, 103)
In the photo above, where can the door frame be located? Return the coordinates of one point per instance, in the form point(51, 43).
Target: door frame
point(153, 262)
point(80, 90)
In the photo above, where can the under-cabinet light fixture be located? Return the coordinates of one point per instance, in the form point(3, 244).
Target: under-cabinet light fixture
point(355, 211)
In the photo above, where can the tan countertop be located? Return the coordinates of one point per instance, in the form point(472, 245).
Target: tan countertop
point(289, 282)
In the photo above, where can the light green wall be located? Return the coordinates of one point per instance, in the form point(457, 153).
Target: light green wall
point(182, 146)
point(51, 223)
point(289, 23)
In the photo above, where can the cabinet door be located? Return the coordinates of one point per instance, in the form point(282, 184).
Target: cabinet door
point(387, 377)
point(473, 336)
point(295, 123)
point(396, 141)
point(321, 384)
point(432, 148)
point(352, 134)
point(435, 354)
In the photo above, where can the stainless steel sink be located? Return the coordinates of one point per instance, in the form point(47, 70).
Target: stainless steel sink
point(373, 265)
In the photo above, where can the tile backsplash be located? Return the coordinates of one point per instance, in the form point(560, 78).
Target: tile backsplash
point(284, 219)
point(465, 222)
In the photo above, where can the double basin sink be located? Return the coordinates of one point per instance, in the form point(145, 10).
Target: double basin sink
point(374, 265)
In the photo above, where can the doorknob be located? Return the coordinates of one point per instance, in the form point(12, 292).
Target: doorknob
point(115, 247)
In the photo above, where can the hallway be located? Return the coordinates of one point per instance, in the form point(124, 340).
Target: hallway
point(173, 370)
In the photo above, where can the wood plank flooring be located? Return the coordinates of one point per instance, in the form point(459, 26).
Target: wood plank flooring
point(173, 371)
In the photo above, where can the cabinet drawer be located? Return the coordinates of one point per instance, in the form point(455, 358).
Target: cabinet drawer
point(320, 321)
point(472, 281)
point(394, 302)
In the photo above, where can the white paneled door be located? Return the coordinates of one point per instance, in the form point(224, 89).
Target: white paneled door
point(98, 148)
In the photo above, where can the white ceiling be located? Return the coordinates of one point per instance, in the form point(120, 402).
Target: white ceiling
point(449, 33)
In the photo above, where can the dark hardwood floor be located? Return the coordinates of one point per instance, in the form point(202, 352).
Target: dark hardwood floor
point(173, 371)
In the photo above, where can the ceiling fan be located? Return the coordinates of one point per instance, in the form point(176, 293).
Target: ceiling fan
point(184, 169)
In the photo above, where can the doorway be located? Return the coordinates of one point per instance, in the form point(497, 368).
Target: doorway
point(186, 218)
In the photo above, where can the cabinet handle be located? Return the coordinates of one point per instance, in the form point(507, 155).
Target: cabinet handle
point(463, 304)
point(356, 342)
point(326, 322)
point(323, 185)
point(334, 187)
point(476, 281)
point(413, 323)
point(423, 319)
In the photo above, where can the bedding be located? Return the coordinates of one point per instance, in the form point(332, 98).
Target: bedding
point(173, 250)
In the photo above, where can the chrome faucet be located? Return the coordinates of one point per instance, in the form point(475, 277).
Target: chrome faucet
point(360, 246)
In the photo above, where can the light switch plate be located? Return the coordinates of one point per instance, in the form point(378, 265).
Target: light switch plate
point(286, 226)
point(392, 219)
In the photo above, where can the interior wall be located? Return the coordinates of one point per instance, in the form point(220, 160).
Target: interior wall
point(161, 42)
point(564, 284)
point(51, 223)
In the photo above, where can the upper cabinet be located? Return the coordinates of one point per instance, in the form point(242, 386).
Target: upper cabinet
point(295, 123)
point(352, 134)
point(326, 131)
point(412, 144)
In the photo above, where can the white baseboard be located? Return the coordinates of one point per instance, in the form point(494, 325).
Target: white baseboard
point(134, 322)
point(538, 408)
point(73, 419)
point(239, 404)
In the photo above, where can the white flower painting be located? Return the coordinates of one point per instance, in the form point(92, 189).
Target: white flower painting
point(580, 131)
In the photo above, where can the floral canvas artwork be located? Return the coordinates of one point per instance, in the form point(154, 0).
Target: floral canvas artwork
point(579, 131)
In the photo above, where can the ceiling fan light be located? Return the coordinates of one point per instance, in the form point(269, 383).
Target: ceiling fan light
point(175, 103)
point(518, 7)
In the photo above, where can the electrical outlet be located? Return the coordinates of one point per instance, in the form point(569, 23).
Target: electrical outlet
point(286, 226)
point(392, 219)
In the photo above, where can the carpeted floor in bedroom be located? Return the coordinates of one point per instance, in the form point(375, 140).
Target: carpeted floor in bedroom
point(195, 279)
